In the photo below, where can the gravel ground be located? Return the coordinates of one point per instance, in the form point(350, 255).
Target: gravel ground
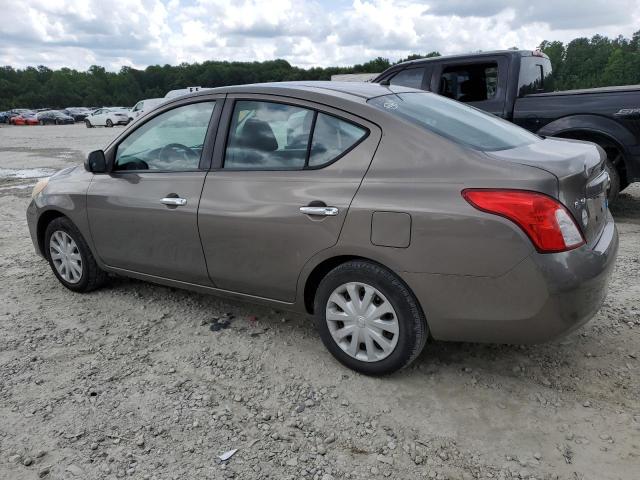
point(142, 381)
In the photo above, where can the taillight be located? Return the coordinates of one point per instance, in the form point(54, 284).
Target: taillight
point(545, 220)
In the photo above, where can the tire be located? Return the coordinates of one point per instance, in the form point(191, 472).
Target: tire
point(614, 181)
point(91, 276)
point(41, 122)
point(88, 124)
point(109, 123)
point(412, 329)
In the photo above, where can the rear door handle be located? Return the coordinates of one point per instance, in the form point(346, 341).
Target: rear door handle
point(174, 201)
point(321, 211)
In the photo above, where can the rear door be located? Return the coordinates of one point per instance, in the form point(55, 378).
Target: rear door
point(285, 174)
point(480, 82)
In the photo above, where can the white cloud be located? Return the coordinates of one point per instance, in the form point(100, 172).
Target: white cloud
point(78, 33)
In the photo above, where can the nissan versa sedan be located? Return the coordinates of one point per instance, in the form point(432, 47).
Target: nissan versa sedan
point(385, 213)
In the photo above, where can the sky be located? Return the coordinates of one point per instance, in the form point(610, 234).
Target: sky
point(138, 33)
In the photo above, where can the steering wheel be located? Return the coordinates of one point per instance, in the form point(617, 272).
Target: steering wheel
point(187, 153)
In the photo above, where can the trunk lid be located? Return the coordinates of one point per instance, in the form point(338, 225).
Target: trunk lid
point(579, 169)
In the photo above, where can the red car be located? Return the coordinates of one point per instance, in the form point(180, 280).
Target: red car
point(24, 119)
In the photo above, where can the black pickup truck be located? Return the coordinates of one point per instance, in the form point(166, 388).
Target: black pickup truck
point(517, 85)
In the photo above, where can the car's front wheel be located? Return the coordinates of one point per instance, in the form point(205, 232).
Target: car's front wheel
point(109, 123)
point(88, 124)
point(70, 257)
point(368, 318)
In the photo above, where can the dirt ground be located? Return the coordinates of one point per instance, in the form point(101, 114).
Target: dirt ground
point(132, 382)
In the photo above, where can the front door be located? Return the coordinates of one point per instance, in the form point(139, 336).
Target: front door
point(281, 190)
point(143, 215)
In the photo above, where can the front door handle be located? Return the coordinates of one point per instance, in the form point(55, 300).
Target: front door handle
point(174, 201)
point(321, 211)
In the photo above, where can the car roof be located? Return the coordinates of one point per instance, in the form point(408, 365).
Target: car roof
point(460, 56)
point(354, 91)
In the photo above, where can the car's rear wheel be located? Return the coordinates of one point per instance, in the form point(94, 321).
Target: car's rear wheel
point(109, 123)
point(368, 318)
point(70, 257)
point(88, 124)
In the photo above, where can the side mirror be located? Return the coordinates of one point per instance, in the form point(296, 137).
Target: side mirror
point(96, 162)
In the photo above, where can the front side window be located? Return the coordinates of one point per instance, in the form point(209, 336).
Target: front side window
point(171, 141)
point(411, 77)
point(453, 120)
point(470, 83)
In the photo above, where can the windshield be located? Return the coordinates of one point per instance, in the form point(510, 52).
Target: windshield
point(454, 120)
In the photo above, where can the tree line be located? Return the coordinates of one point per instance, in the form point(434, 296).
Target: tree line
point(581, 63)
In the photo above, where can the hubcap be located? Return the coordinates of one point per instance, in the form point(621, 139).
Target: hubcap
point(362, 322)
point(65, 256)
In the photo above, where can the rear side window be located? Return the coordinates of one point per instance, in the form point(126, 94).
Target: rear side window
point(411, 77)
point(276, 136)
point(268, 136)
point(470, 83)
point(453, 120)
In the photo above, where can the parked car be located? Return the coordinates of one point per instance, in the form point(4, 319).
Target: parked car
point(54, 117)
point(6, 117)
point(77, 113)
point(517, 86)
point(143, 106)
point(389, 214)
point(24, 118)
point(107, 117)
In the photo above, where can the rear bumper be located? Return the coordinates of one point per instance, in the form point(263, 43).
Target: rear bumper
point(542, 298)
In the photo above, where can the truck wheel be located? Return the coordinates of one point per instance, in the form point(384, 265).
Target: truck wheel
point(614, 181)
